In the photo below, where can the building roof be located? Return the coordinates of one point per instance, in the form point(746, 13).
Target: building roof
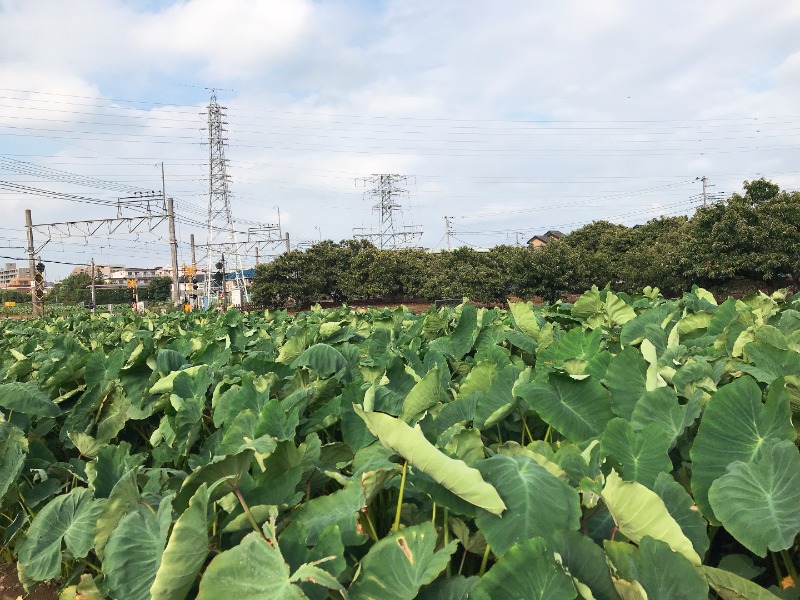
point(552, 234)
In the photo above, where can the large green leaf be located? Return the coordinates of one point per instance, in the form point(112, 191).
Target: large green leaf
point(423, 395)
point(452, 588)
point(579, 410)
point(667, 575)
point(255, 570)
point(123, 497)
point(639, 512)
point(498, 401)
point(537, 502)
point(524, 318)
point(339, 508)
point(453, 474)
point(681, 507)
point(732, 587)
point(13, 448)
point(640, 455)
point(70, 517)
point(231, 468)
point(662, 408)
point(186, 551)
point(757, 502)
point(322, 358)
point(527, 571)
point(585, 561)
point(734, 427)
point(627, 379)
point(399, 564)
point(133, 552)
point(28, 399)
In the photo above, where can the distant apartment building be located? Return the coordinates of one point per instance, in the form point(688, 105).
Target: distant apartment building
point(141, 274)
point(10, 272)
point(103, 271)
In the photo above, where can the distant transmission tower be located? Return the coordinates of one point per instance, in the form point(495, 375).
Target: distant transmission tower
point(391, 233)
point(221, 245)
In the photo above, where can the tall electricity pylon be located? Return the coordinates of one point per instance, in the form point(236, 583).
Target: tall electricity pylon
point(221, 245)
point(389, 235)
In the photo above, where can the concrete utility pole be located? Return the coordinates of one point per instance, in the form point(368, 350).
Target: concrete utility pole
point(37, 309)
point(256, 254)
point(288, 248)
point(705, 193)
point(94, 302)
point(191, 246)
point(173, 247)
point(447, 231)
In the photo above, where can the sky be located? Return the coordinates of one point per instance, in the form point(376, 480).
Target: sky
point(510, 118)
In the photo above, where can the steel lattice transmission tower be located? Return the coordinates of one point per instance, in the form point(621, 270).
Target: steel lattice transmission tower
point(391, 233)
point(221, 245)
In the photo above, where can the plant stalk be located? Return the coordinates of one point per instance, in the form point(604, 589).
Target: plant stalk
point(250, 517)
point(396, 526)
point(484, 560)
point(447, 535)
point(787, 560)
point(776, 566)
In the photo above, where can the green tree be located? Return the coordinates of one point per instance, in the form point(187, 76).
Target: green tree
point(74, 288)
point(159, 289)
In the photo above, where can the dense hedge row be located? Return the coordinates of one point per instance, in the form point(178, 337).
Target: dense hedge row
point(754, 236)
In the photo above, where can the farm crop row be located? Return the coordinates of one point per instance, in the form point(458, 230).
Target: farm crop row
point(617, 447)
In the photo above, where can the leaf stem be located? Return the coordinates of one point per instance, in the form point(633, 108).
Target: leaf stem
point(484, 560)
point(527, 430)
point(396, 526)
point(433, 514)
point(547, 434)
point(787, 560)
point(776, 566)
point(447, 535)
point(250, 517)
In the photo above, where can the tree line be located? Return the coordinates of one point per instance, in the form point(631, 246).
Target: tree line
point(75, 290)
point(749, 239)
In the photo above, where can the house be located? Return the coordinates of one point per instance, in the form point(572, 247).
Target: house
point(103, 271)
point(538, 241)
point(141, 274)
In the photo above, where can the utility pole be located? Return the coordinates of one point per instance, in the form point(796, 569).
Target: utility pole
point(256, 254)
point(705, 194)
point(447, 230)
point(94, 302)
point(191, 246)
point(37, 309)
point(288, 248)
point(173, 246)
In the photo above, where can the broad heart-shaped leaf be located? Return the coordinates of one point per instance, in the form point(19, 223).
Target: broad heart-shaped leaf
point(458, 343)
point(585, 561)
point(123, 497)
point(641, 455)
point(757, 502)
point(399, 564)
point(339, 508)
point(322, 358)
point(661, 407)
point(253, 570)
point(186, 551)
point(681, 507)
point(579, 410)
point(537, 502)
point(664, 574)
point(734, 426)
point(528, 570)
point(524, 318)
point(422, 396)
point(28, 399)
point(730, 586)
point(70, 517)
point(133, 552)
point(328, 547)
point(453, 588)
point(13, 448)
point(498, 401)
point(626, 377)
point(229, 467)
point(453, 474)
point(639, 512)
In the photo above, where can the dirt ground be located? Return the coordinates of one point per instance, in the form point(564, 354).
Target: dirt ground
point(10, 588)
